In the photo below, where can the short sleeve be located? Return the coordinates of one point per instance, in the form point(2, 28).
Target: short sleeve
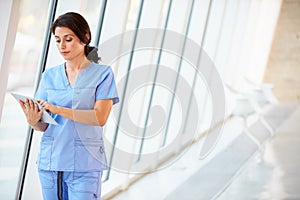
point(107, 87)
point(41, 93)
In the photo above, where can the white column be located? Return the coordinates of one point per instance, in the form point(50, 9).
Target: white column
point(9, 22)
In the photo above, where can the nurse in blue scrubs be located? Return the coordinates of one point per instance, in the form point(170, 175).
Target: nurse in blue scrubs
point(79, 94)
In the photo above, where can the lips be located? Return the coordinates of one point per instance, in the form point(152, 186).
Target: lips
point(65, 52)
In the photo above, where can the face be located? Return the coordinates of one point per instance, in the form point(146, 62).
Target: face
point(68, 44)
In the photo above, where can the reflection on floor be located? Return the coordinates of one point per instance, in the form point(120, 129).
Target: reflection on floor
point(237, 170)
point(277, 176)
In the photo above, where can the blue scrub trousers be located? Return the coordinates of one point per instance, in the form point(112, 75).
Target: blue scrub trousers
point(75, 185)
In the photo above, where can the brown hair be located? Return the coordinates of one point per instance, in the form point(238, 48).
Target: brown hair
point(80, 27)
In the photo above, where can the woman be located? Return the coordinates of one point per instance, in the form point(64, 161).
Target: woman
point(79, 95)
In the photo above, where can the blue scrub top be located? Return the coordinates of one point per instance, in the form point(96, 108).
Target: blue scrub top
point(73, 146)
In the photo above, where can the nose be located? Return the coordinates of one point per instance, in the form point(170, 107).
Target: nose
point(62, 45)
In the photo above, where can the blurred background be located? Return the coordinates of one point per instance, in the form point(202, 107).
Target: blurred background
point(252, 48)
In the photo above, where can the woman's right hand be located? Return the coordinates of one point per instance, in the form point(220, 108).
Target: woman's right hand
point(31, 111)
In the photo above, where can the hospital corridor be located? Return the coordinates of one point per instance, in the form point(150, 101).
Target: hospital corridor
point(205, 100)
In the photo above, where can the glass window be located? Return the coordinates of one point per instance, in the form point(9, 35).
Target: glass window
point(155, 81)
point(21, 79)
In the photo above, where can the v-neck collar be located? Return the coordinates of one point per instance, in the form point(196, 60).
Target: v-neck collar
point(65, 78)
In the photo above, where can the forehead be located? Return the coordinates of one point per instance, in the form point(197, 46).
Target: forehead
point(62, 31)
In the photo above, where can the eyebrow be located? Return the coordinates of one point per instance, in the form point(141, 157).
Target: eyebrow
point(67, 35)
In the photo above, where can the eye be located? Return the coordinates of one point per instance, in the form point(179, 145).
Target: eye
point(69, 40)
point(57, 41)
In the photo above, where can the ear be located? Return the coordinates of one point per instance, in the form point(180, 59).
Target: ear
point(88, 36)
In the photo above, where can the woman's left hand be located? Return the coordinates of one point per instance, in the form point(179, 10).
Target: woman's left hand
point(48, 106)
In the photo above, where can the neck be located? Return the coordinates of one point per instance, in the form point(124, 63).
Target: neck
point(78, 63)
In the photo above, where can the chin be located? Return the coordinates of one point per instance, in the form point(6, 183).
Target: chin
point(67, 57)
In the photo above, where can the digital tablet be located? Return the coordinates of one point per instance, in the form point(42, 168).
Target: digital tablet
point(46, 117)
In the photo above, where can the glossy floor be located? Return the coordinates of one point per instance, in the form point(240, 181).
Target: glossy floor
point(238, 170)
point(277, 176)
